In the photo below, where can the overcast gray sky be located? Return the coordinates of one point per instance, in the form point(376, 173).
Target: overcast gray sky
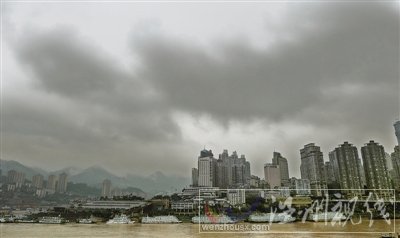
point(140, 87)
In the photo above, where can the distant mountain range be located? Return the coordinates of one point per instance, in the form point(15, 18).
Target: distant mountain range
point(153, 184)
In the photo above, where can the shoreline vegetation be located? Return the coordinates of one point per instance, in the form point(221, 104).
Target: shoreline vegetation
point(186, 222)
point(186, 219)
point(256, 209)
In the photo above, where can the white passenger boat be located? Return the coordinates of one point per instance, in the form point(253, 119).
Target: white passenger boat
point(52, 220)
point(160, 220)
point(120, 219)
point(271, 217)
point(212, 219)
point(25, 221)
point(85, 221)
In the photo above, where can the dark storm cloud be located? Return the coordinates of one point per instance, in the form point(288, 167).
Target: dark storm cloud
point(330, 66)
point(106, 96)
point(334, 67)
point(64, 65)
point(351, 44)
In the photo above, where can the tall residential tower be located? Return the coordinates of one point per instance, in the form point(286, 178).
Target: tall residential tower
point(397, 131)
point(106, 189)
point(207, 169)
point(376, 174)
point(62, 183)
point(278, 159)
point(312, 168)
point(272, 174)
point(346, 164)
point(395, 156)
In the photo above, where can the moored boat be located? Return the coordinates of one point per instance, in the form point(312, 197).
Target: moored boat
point(160, 219)
point(120, 219)
point(7, 219)
point(52, 220)
point(85, 221)
point(26, 221)
point(271, 217)
point(212, 219)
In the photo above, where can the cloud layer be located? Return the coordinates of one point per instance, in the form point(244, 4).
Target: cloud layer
point(326, 73)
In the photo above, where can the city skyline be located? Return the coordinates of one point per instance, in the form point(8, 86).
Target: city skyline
point(296, 174)
point(344, 160)
point(146, 89)
point(377, 175)
point(343, 171)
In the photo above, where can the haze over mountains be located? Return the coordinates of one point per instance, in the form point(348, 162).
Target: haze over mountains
point(94, 176)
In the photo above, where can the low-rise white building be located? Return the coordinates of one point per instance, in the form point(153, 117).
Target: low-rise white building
point(236, 196)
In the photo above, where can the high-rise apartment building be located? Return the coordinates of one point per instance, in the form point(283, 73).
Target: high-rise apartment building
point(329, 172)
point(362, 173)
point(195, 177)
point(376, 172)
point(222, 174)
point(207, 169)
point(388, 160)
point(16, 177)
point(51, 182)
point(397, 131)
point(20, 179)
point(62, 183)
point(237, 174)
point(225, 175)
point(228, 171)
point(278, 159)
point(11, 176)
point(346, 165)
point(106, 188)
point(272, 175)
point(37, 181)
point(312, 168)
point(240, 171)
point(247, 173)
point(395, 156)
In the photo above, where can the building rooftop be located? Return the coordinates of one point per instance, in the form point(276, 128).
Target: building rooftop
point(100, 204)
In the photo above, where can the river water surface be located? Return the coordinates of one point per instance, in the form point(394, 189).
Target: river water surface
point(297, 229)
